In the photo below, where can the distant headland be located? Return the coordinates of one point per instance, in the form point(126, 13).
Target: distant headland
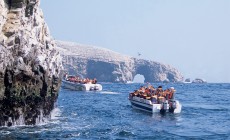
point(110, 66)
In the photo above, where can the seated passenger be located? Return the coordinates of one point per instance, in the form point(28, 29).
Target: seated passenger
point(131, 95)
point(83, 81)
point(154, 99)
point(65, 76)
point(95, 81)
point(87, 80)
point(136, 93)
point(166, 94)
point(77, 79)
point(90, 81)
point(152, 90)
point(142, 89)
point(159, 91)
point(171, 91)
point(71, 79)
point(143, 94)
point(161, 99)
point(148, 94)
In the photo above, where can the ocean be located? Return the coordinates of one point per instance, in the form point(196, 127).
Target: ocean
point(108, 115)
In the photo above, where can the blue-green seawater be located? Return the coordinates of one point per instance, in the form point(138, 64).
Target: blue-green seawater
point(108, 115)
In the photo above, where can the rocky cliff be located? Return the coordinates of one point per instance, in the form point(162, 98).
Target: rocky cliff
point(30, 67)
point(109, 66)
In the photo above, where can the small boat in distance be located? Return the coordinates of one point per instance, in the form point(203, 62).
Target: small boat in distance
point(75, 83)
point(155, 100)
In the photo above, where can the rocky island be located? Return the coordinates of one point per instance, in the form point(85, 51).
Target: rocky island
point(30, 66)
point(109, 66)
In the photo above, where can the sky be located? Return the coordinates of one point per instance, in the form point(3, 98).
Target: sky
point(191, 35)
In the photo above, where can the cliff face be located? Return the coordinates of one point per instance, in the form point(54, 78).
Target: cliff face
point(30, 67)
point(109, 66)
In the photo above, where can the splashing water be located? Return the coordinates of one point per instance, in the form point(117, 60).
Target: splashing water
point(95, 115)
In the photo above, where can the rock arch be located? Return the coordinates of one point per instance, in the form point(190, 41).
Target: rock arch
point(145, 71)
point(138, 78)
point(109, 66)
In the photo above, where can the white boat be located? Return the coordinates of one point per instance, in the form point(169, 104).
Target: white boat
point(172, 106)
point(81, 87)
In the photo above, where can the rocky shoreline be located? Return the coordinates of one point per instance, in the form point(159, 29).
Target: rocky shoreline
point(30, 67)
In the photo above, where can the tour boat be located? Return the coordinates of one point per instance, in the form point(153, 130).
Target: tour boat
point(172, 106)
point(81, 87)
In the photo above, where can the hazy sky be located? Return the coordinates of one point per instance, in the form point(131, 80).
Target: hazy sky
point(191, 35)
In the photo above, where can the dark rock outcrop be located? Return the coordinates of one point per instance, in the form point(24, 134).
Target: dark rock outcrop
point(199, 80)
point(30, 67)
point(109, 66)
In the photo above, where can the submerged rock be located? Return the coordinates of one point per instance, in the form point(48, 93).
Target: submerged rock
point(30, 67)
point(109, 66)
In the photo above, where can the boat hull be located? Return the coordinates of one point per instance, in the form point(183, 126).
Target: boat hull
point(148, 106)
point(81, 87)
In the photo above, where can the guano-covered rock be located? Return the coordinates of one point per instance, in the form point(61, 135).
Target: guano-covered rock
point(109, 66)
point(30, 67)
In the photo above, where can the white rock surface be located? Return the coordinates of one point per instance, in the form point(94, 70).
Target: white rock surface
point(110, 66)
point(30, 67)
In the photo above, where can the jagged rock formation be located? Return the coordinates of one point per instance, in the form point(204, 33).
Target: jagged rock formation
point(199, 80)
point(109, 66)
point(30, 67)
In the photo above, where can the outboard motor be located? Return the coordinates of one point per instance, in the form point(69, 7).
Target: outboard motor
point(91, 88)
point(96, 88)
point(164, 107)
point(172, 106)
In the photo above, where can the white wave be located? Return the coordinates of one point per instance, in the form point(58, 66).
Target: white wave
point(76, 135)
point(35, 132)
point(74, 114)
point(5, 132)
point(206, 106)
point(41, 120)
point(109, 92)
point(55, 114)
point(53, 118)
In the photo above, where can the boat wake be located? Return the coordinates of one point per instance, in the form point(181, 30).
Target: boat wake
point(109, 92)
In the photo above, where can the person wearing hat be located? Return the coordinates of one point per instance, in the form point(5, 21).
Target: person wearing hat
point(172, 91)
